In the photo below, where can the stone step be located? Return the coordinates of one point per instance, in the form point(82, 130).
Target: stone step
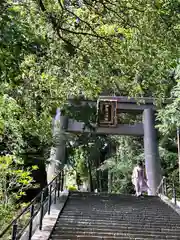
point(118, 214)
point(135, 227)
point(60, 235)
point(126, 225)
point(128, 219)
point(82, 237)
point(113, 231)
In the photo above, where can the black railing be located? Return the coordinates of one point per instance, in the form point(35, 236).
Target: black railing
point(41, 204)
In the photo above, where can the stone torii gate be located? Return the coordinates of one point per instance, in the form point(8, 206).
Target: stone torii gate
point(108, 110)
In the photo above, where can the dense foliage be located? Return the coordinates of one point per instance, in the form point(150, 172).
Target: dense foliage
point(14, 181)
point(50, 50)
point(49, 47)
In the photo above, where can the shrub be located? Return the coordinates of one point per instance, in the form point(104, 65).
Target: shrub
point(72, 188)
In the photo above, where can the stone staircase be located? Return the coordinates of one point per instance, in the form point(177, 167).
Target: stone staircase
point(88, 216)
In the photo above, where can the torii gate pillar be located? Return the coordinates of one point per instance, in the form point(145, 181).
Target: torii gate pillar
point(152, 161)
point(57, 158)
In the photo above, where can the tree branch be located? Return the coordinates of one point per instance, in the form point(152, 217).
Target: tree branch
point(55, 26)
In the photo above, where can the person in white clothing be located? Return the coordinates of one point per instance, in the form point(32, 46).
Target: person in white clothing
point(139, 179)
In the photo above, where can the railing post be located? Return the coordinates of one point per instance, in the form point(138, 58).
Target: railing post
point(41, 211)
point(59, 184)
point(14, 231)
point(174, 193)
point(31, 221)
point(165, 187)
point(55, 191)
point(162, 188)
point(62, 180)
point(49, 199)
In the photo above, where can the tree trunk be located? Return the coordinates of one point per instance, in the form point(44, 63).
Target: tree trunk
point(90, 176)
point(97, 179)
point(78, 180)
point(63, 182)
point(98, 176)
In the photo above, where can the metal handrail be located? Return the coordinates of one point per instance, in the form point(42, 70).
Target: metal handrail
point(161, 184)
point(57, 182)
point(164, 192)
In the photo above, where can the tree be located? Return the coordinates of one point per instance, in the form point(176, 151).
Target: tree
point(169, 115)
point(14, 181)
point(120, 164)
point(168, 118)
point(51, 47)
point(131, 50)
